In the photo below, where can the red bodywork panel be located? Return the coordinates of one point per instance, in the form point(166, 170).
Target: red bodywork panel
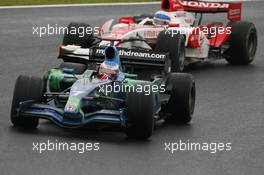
point(235, 12)
point(220, 37)
point(195, 39)
point(216, 40)
point(219, 40)
point(127, 20)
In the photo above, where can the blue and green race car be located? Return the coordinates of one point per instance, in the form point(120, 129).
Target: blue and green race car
point(105, 95)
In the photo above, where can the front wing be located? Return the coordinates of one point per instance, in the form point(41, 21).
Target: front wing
point(57, 116)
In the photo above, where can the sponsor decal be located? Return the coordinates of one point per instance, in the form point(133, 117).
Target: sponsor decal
point(200, 4)
point(70, 108)
point(151, 34)
point(131, 53)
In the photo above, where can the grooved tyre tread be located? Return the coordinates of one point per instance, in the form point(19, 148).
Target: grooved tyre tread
point(182, 100)
point(26, 88)
point(140, 115)
point(243, 41)
point(175, 46)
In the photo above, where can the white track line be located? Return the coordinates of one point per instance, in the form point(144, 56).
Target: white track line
point(102, 4)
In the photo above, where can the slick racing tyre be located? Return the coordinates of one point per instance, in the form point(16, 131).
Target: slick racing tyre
point(77, 35)
point(174, 44)
point(140, 115)
point(77, 67)
point(26, 88)
point(243, 43)
point(182, 99)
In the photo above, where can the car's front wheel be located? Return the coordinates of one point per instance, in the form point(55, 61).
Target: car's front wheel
point(182, 100)
point(26, 88)
point(140, 115)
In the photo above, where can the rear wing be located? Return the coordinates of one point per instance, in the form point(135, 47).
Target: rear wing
point(233, 9)
point(129, 57)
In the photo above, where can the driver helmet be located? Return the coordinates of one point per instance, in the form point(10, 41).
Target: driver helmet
point(110, 68)
point(108, 71)
point(162, 18)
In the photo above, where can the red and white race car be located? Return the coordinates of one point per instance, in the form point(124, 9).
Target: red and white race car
point(176, 31)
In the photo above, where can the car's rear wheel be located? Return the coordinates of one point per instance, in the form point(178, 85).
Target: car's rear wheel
point(26, 88)
point(243, 43)
point(174, 44)
point(182, 100)
point(140, 115)
point(78, 36)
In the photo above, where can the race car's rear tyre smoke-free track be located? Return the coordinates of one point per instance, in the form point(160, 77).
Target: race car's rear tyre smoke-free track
point(182, 100)
point(174, 44)
point(243, 40)
point(26, 88)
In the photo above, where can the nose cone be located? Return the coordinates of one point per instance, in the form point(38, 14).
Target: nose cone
point(72, 108)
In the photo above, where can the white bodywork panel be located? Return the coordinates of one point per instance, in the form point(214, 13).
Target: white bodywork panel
point(184, 19)
point(201, 52)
